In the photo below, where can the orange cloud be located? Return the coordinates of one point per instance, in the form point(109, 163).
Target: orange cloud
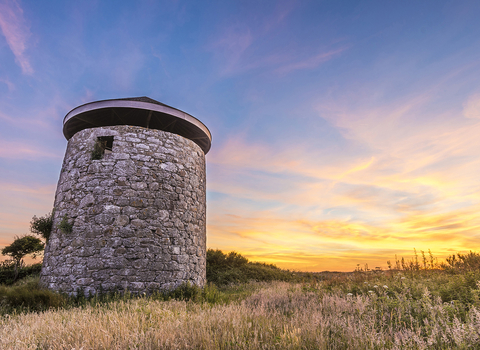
point(340, 245)
point(20, 203)
point(414, 186)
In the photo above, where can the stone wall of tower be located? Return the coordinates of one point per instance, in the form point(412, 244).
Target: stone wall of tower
point(138, 214)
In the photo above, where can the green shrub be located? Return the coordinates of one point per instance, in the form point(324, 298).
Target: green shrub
point(7, 271)
point(42, 226)
point(462, 262)
point(26, 295)
point(228, 268)
point(186, 291)
point(65, 226)
point(460, 287)
point(98, 150)
point(20, 247)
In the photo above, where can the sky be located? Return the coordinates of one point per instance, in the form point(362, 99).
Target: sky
point(344, 132)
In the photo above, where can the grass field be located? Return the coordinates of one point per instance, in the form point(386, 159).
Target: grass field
point(409, 308)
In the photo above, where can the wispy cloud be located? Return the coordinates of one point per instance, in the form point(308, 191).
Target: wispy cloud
point(16, 32)
point(323, 244)
point(310, 62)
point(24, 150)
point(280, 13)
point(231, 46)
point(358, 141)
point(414, 185)
point(250, 45)
point(472, 107)
point(37, 118)
point(9, 84)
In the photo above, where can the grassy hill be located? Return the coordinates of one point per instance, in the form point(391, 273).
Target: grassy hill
point(258, 306)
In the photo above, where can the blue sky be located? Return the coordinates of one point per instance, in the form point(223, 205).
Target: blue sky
point(343, 132)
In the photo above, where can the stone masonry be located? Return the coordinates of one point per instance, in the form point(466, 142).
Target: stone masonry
point(138, 214)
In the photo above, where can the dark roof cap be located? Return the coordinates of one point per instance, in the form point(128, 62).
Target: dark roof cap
point(137, 111)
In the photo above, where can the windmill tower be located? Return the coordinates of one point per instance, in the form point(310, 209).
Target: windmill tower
point(130, 207)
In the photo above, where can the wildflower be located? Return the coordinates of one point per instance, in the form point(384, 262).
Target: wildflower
point(385, 286)
point(367, 282)
point(349, 294)
point(403, 278)
point(375, 286)
point(370, 291)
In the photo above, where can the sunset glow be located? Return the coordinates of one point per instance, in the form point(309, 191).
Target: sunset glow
point(344, 133)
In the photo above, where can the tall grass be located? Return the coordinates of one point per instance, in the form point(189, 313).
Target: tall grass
point(279, 315)
point(26, 296)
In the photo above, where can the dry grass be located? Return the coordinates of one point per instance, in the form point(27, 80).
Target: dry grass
point(278, 316)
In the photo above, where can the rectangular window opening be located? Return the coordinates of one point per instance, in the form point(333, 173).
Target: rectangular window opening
point(107, 142)
point(103, 146)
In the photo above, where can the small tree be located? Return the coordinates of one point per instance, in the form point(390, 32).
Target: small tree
point(42, 226)
point(21, 247)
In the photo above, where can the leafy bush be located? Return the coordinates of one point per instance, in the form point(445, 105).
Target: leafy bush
point(234, 268)
point(460, 287)
point(7, 271)
point(21, 247)
point(26, 295)
point(42, 226)
point(462, 262)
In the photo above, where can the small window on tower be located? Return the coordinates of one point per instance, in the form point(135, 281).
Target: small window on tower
point(103, 146)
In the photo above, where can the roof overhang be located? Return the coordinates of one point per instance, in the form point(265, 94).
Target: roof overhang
point(137, 113)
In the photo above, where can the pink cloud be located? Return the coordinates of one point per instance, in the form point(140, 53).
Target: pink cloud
point(241, 47)
point(40, 117)
point(24, 150)
point(412, 151)
point(281, 11)
point(232, 45)
point(310, 62)
point(9, 84)
point(16, 32)
point(472, 107)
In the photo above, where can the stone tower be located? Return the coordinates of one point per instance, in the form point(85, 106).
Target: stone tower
point(130, 205)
